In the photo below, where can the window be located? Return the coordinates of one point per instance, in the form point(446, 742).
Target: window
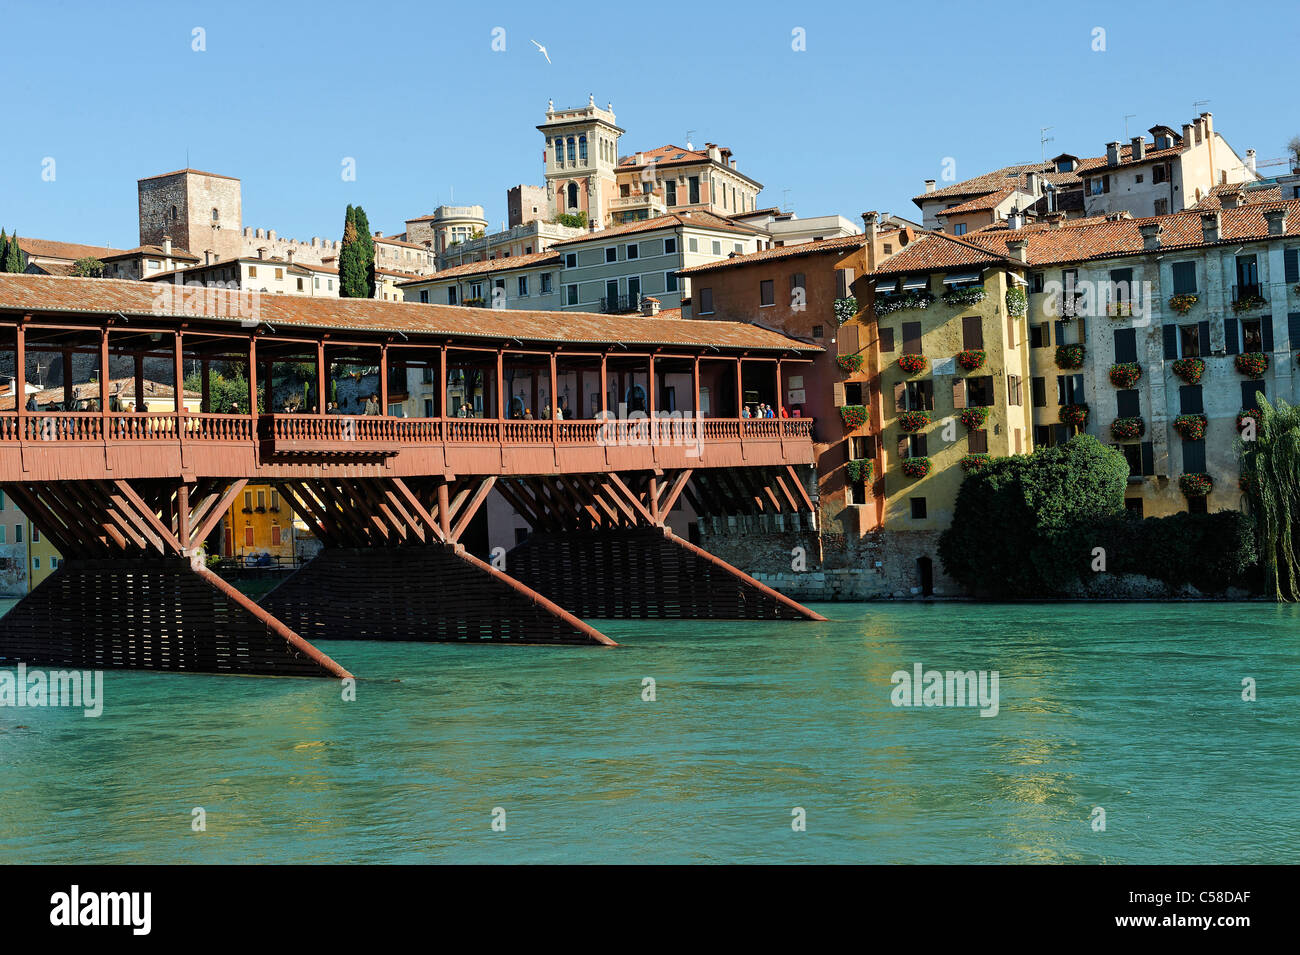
point(1038, 392)
point(2, 500)
point(36, 563)
point(977, 442)
point(571, 260)
point(1098, 186)
point(717, 247)
point(1191, 400)
point(1040, 336)
point(911, 338)
point(300, 285)
point(54, 563)
point(1014, 396)
point(36, 534)
point(1159, 173)
point(611, 255)
point(1184, 278)
point(1252, 337)
point(738, 247)
point(3, 534)
point(1194, 457)
point(1121, 286)
point(451, 295)
point(886, 339)
point(916, 446)
point(979, 392)
point(216, 217)
point(693, 188)
point(523, 285)
point(279, 274)
point(582, 148)
point(918, 395)
point(1198, 505)
point(633, 251)
point(972, 332)
point(1250, 392)
point(634, 289)
point(1162, 209)
point(853, 393)
point(1126, 349)
point(693, 244)
point(573, 195)
point(766, 293)
point(670, 191)
point(1128, 403)
point(1189, 337)
point(252, 271)
point(572, 149)
point(918, 508)
point(670, 245)
point(571, 294)
point(248, 500)
point(1133, 506)
point(546, 283)
point(959, 229)
point(670, 281)
point(248, 536)
point(818, 331)
point(706, 301)
point(1069, 390)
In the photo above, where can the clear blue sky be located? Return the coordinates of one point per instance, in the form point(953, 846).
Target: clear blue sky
point(416, 94)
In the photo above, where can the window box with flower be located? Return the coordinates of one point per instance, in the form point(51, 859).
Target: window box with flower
point(1017, 302)
point(1252, 364)
point(1125, 374)
point(973, 418)
point(1191, 426)
point(849, 364)
point(1183, 302)
point(1190, 370)
point(1070, 356)
point(854, 416)
point(913, 421)
point(913, 364)
point(1196, 485)
point(888, 304)
point(1075, 414)
point(846, 309)
point(971, 358)
point(1248, 302)
point(965, 295)
point(1127, 429)
point(916, 468)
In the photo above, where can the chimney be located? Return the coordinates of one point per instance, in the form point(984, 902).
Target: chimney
point(638, 159)
point(1187, 134)
point(1019, 249)
point(1054, 219)
point(167, 245)
point(1276, 219)
point(1210, 225)
point(1112, 153)
point(1151, 234)
point(207, 256)
point(649, 307)
point(929, 185)
point(1207, 121)
point(1139, 147)
point(714, 152)
point(290, 256)
point(1016, 219)
point(1250, 161)
point(1031, 183)
point(261, 252)
point(869, 220)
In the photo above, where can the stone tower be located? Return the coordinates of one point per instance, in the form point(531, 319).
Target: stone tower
point(201, 211)
point(581, 154)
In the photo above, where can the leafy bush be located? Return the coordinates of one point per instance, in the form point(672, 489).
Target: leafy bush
point(860, 468)
point(574, 220)
point(1070, 356)
point(1191, 426)
point(1009, 512)
point(974, 462)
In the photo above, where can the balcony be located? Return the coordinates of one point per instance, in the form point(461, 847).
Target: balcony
point(1247, 298)
point(652, 203)
point(621, 304)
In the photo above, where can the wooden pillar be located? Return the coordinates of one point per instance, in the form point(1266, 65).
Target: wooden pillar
point(780, 399)
point(20, 376)
point(654, 499)
point(252, 382)
point(695, 381)
point(501, 375)
point(383, 379)
point(444, 502)
point(442, 378)
point(183, 515)
point(139, 382)
point(322, 377)
point(179, 381)
point(69, 395)
point(554, 398)
point(103, 374)
point(604, 386)
point(740, 391)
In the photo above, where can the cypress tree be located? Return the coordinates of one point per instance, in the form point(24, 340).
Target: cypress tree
point(14, 256)
point(4, 249)
point(366, 242)
point(352, 269)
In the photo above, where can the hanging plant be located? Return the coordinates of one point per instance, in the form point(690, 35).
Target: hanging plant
point(971, 358)
point(1017, 301)
point(913, 364)
point(916, 468)
point(1125, 374)
point(1182, 302)
point(1076, 414)
point(1127, 429)
point(1189, 369)
point(1252, 364)
point(1248, 303)
point(1191, 426)
point(855, 416)
point(970, 295)
point(974, 462)
point(913, 421)
point(859, 469)
point(973, 418)
point(1196, 485)
point(845, 309)
point(899, 303)
point(1249, 414)
point(1070, 356)
point(849, 363)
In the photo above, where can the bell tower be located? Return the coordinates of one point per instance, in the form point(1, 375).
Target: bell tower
point(581, 155)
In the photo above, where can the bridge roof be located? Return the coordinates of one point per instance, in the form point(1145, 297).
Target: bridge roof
point(48, 294)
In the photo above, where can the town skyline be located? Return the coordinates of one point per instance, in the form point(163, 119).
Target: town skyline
point(405, 167)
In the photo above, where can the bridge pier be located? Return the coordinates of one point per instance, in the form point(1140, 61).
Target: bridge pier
point(129, 594)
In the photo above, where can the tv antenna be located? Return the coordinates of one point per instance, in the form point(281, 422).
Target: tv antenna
point(1196, 107)
point(1127, 117)
point(689, 134)
point(1043, 140)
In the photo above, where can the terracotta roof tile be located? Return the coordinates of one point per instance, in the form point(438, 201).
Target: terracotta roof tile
point(937, 250)
point(48, 248)
point(488, 266)
point(697, 218)
point(46, 294)
point(776, 253)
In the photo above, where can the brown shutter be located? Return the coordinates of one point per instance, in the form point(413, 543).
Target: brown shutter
point(903, 448)
point(848, 339)
point(978, 442)
point(958, 393)
point(837, 390)
point(1017, 440)
point(900, 397)
point(972, 332)
point(912, 338)
point(886, 339)
point(1011, 331)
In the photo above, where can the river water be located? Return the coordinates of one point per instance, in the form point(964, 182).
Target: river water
point(1135, 709)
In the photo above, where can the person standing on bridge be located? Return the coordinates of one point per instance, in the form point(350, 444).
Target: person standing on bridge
point(372, 405)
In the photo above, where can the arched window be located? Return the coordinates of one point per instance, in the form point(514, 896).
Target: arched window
point(573, 195)
point(559, 149)
point(215, 216)
point(572, 155)
point(173, 213)
point(582, 148)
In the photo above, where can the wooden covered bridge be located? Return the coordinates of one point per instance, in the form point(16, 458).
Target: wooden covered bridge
point(385, 427)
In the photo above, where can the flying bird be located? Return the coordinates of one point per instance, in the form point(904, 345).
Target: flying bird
point(542, 49)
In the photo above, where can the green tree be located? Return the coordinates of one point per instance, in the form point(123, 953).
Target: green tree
point(367, 242)
point(14, 260)
point(1013, 517)
point(4, 249)
point(1271, 467)
point(354, 279)
point(225, 391)
point(88, 267)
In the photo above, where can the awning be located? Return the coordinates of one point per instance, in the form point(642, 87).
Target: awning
point(916, 283)
point(961, 278)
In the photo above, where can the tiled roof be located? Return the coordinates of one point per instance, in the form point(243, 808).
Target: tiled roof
point(776, 253)
point(937, 250)
point(981, 203)
point(1248, 196)
point(50, 268)
point(46, 294)
point(48, 248)
point(664, 156)
point(1000, 179)
point(1111, 238)
point(1099, 164)
point(486, 267)
point(193, 172)
point(696, 218)
point(151, 250)
point(392, 240)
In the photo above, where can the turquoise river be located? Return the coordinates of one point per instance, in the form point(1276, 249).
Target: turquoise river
point(1135, 709)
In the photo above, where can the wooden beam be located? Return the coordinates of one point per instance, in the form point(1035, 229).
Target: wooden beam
point(470, 509)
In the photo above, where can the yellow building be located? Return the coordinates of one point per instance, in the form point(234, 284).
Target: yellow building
point(261, 524)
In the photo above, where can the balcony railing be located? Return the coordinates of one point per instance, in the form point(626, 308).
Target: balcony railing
point(620, 304)
point(1247, 297)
